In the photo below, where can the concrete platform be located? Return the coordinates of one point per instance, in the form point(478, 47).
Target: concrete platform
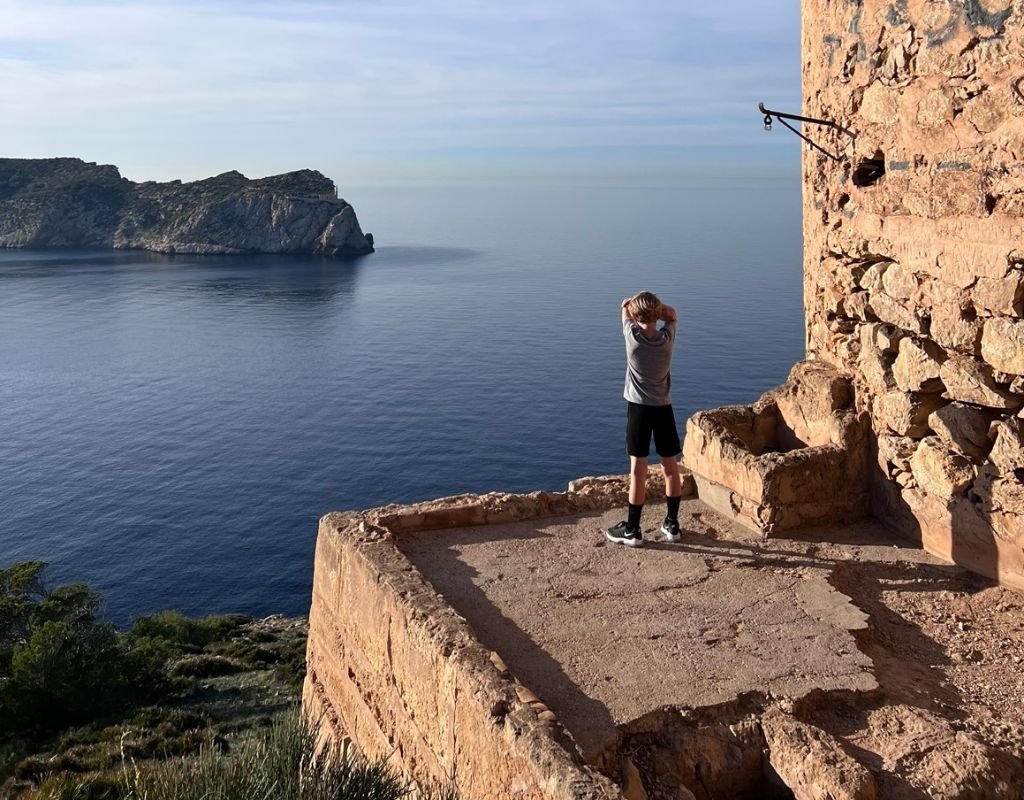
point(501, 640)
point(605, 634)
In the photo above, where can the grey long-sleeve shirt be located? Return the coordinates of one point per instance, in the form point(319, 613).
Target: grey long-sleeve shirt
point(648, 364)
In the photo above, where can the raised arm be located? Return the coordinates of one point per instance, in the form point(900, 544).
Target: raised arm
point(625, 309)
point(668, 314)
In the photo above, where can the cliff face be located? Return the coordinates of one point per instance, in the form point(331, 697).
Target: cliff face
point(66, 202)
point(914, 258)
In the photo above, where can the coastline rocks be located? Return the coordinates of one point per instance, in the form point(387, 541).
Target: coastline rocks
point(67, 202)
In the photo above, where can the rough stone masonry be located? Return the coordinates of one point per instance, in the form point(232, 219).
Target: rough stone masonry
point(914, 258)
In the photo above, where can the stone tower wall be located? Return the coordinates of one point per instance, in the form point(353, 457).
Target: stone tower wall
point(914, 257)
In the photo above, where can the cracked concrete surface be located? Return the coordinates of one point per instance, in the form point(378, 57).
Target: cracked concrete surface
point(605, 634)
point(910, 665)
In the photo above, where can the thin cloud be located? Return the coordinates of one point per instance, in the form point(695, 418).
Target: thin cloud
point(151, 83)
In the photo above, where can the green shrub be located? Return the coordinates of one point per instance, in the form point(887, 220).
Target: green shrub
point(21, 587)
point(59, 664)
point(74, 691)
point(11, 754)
point(257, 649)
point(167, 744)
point(167, 718)
point(256, 656)
point(64, 786)
point(283, 764)
point(187, 635)
point(262, 637)
point(35, 768)
point(205, 666)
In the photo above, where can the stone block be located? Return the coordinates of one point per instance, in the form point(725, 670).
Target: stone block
point(965, 532)
point(936, 293)
point(987, 111)
point(809, 399)
point(871, 279)
point(812, 763)
point(881, 105)
point(843, 275)
point(1008, 449)
point(847, 348)
point(940, 470)
point(1002, 344)
point(935, 109)
point(935, 59)
point(857, 305)
point(964, 428)
point(886, 337)
point(957, 193)
point(969, 380)
point(875, 368)
point(916, 368)
point(906, 480)
point(954, 330)
point(889, 310)
point(901, 284)
point(1011, 203)
point(1000, 296)
point(897, 450)
point(1005, 505)
point(905, 414)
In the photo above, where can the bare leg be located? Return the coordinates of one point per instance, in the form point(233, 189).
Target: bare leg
point(673, 483)
point(637, 480)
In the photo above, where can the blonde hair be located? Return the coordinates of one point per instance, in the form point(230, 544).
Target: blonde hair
point(644, 308)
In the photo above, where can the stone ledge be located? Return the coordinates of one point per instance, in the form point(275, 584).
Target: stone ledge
point(392, 666)
point(796, 457)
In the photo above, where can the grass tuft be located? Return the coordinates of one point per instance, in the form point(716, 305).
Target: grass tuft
point(283, 763)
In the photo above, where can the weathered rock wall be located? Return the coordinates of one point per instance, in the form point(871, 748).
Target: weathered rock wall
point(914, 257)
point(66, 202)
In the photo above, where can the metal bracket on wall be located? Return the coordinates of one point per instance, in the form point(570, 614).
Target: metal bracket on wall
point(782, 117)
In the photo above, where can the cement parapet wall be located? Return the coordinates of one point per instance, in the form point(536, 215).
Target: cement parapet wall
point(392, 666)
point(914, 258)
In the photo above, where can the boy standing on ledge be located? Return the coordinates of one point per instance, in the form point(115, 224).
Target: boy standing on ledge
point(649, 411)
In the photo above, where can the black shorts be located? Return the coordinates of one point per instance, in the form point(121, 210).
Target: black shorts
point(642, 421)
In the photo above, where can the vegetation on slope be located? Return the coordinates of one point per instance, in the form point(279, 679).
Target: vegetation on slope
point(173, 707)
point(283, 763)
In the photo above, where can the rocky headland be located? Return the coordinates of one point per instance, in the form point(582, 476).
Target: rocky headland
point(67, 202)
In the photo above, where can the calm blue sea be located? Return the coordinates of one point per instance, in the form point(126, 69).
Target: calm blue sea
point(173, 427)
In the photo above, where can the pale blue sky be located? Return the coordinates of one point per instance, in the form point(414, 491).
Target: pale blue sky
point(396, 88)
